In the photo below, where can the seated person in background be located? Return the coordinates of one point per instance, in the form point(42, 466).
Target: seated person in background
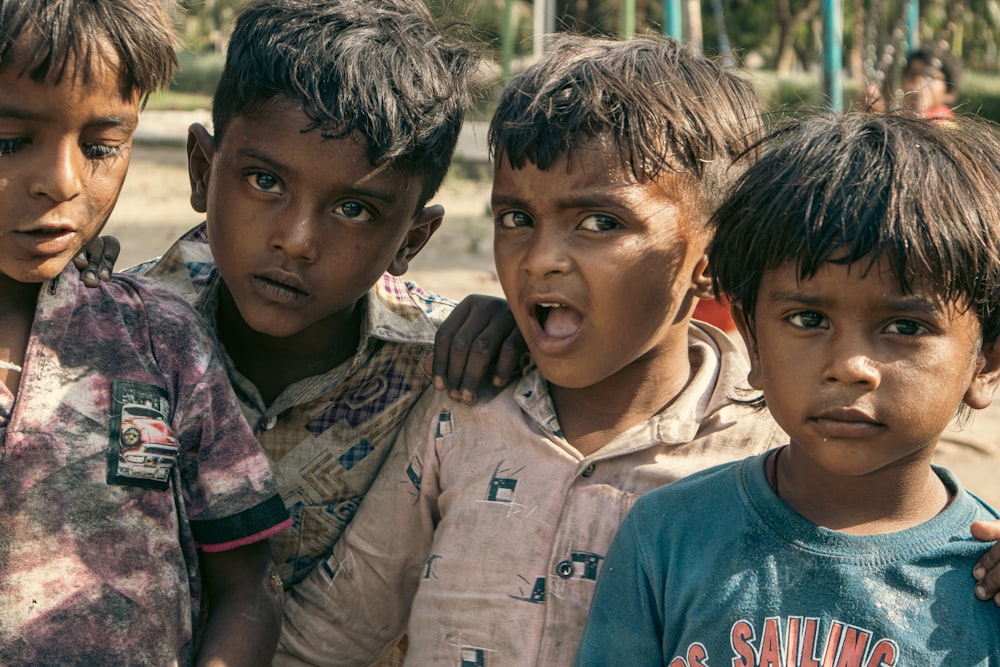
point(870, 304)
point(130, 483)
point(493, 519)
point(930, 82)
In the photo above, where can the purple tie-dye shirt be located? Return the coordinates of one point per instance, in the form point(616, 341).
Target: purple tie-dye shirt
point(124, 453)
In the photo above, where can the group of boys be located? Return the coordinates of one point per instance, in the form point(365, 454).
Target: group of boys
point(134, 495)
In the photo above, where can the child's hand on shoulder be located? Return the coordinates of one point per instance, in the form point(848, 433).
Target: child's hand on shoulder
point(987, 569)
point(477, 347)
point(97, 260)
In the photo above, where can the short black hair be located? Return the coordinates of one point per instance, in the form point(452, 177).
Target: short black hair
point(943, 61)
point(379, 68)
point(45, 36)
point(857, 188)
point(666, 107)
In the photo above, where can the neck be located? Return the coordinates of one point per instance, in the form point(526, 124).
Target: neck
point(591, 417)
point(274, 363)
point(888, 500)
point(17, 312)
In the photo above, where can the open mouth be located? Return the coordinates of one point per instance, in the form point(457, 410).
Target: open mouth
point(557, 320)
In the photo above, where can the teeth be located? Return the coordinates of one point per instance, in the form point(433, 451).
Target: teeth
point(551, 305)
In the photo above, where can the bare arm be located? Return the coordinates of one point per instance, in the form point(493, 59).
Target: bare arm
point(245, 602)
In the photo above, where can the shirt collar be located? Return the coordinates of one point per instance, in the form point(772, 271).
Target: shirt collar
point(721, 369)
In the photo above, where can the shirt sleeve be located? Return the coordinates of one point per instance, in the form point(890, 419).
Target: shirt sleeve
point(355, 605)
point(624, 626)
point(228, 490)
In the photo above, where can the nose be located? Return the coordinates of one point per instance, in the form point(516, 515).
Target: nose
point(58, 173)
point(851, 362)
point(296, 238)
point(547, 252)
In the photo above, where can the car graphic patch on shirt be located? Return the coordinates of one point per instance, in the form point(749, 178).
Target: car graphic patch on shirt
point(142, 449)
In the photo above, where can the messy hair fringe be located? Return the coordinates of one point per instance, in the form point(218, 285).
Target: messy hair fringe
point(380, 69)
point(46, 36)
point(854, 189)
point(665, 107)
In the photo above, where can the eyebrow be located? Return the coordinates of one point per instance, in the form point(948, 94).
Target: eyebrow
point(570, 202)
point(18, 113)
point(386, 196)
point(905, 303)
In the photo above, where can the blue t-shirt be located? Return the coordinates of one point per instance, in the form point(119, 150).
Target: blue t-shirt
point(715, 570)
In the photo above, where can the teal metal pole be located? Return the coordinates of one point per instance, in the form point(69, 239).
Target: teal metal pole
point(912, 25)
point(833, 53)
point(672, 24)
point(507, 40)
point(628, 19)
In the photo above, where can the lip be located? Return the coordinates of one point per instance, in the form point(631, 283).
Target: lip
point(46, 240)
point(280, 286)
point(542, 341)
point(845, 422)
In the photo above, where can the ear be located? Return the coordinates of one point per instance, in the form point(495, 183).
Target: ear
point(424, 225)
point(701, 279)
point(200, 149)
point(756, 375)
point(987, 378)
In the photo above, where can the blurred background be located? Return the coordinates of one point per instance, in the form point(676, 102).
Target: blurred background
point(794, 50)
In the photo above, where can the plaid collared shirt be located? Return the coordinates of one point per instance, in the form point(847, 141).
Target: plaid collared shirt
point(327, 435)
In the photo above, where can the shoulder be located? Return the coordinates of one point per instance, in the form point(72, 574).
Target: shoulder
point(402, 312)
point(160, 303)
point(702, 495)
point(444, 416)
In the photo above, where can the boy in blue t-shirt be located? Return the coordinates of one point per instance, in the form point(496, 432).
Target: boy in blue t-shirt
point(862, 256)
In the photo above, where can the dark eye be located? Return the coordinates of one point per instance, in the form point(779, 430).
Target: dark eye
point(354, 210)
point(906, 328)
point(806, 319)
point(513, 219)
point(265, 182)
point(9, 146)
point(600, 223)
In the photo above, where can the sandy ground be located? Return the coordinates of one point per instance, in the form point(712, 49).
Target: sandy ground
point(154, 210)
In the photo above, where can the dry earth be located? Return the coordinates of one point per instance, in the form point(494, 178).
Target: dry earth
point(153, 211)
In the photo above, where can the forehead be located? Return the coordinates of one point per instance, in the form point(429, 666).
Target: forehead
point(281, 135)
point(596, 161)
point(91, 64)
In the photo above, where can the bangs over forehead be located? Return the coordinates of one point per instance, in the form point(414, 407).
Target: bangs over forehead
point(856, 189)
point(664, 106)
point(44, 38)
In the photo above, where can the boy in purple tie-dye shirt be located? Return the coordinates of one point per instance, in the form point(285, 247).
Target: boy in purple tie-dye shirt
point(129, 480)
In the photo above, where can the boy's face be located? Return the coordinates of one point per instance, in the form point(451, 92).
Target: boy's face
point(301, 227)
point(862, 376)
point(601, 271)
point(64, 152)
point(924, 87)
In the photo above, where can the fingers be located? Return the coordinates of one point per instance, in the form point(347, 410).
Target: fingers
point(513, 358)
point(987, 569)
point(97, 260)
point(476, 347)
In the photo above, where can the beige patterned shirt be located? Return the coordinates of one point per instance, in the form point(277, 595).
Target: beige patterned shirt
point(495, 528)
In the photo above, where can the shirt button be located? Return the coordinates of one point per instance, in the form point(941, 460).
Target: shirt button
point(267, 423)
point(588, 471)
point(565, 569)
